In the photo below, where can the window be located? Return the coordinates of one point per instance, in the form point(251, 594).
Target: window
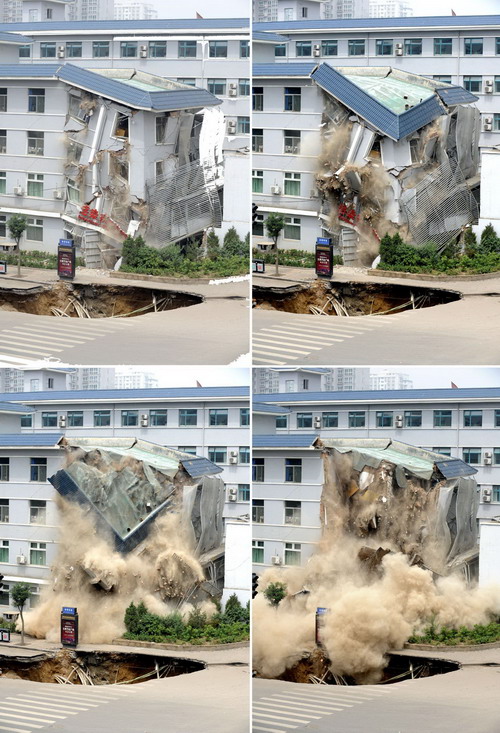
point(383, 419)
point(157, 418)
point(291, 140)
point(121, 126)
point(292, 184)
point(304, 419)
point(258, 225)
point(130, 418)
point(496, 456)
point(118, 167)
point(216, 454)
point(291, 229)
point(257, 140)
point(4, 469)
point(244, 454)
point(473, 46)
point(443, 451)
point(35, 142)
point(217, 86)
point(496, 122)
point(34, 230)
point(74, 49)
point(4, 550)
point(330, 419)
point(471, 455)
point(356, 419)
point(289, 385)
point(26, 421)
point(4, 595)
point(160, 128)
point(188, 449)
point(329, 48)
point(280, 49)
point(444, 78)
point(49, 419)
point(102, 418)
point(244, 416)
point(356, 47)
point(413, 418)
point(73, 190)
point(25, 51)
point(497, 419)
point(243, 492)
point(497, 46)
point(100, 49)
point(303, 48)
point(157, 49)
point(4, 510)
point(243, 125)
point(258, 99)
point(292, 512)
point(292, 99)
point(282, 421)
point(128, 49)
point(38, 512)
point(188, 417)
point(38, 469)
point(48, 14)
point(442, 418)
point(257, 469)
point(47, 50)
point(3, 99)
point(473, 83)
point(75, 419)
point(257, 181)
point(75, 151)
point(218, 417)
point(292, 553)
point(244, 50)
point(217, 49)
point(497, 84)
point(305, 384)
point(473, 418)
point(293, 470)
point(258, 511)
point(3, 218)
point(186, 49)
point(74, 107)
point(35, 184)
point(383, 47)
point(244, 87)
point(190, 81)
point(3, 141)
point(443, 46)
point(413, 46)
point(257, 550)
point(3, 189)
point(36, 100)
point(304, 12)
point(38, 553)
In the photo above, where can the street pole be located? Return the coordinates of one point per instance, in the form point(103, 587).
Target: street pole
point(276, 261)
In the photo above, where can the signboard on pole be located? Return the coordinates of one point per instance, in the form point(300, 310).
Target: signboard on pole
point(258, 266)
point(66, 259)
point(69, 626)
point(3, 267)
point(324, 257)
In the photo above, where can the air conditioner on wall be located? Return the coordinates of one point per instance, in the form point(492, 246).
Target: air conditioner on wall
point(488, 87)
point(276, 190)
point(18, 190)
point(21, 560)
point(144, 421)
point(316, 49)
point(231, 127)
point(143, 52)
point(233, 459)
point(62, 421)
point(399, 49)
point(58, 194)
point(487, 461)
point(317, 422)
point(233, 495)
point(488, 124)
point(486, 496)
point(276, 560)
point(233, 90)
point(60, 52)
point(399, 421)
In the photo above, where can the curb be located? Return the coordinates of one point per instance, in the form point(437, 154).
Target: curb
point(181, 647)
point(434, 278)
point(453, 647)
point(160, 278)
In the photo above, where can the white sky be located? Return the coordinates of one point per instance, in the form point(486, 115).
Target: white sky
point(461, 7)
point(207, 376)
point(441, 377)
point(206, 8)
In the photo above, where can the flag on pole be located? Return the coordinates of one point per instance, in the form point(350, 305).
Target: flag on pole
point(198, 16)
point(453, 12)
point(453, 385)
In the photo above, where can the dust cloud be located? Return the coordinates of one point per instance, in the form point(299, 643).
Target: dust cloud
point(374, 607)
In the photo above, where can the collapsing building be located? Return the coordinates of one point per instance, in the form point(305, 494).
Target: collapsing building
point(400, 153)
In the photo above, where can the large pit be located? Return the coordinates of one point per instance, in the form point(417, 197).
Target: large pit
point(72, 300)
point(95, 668)
point(350, 298)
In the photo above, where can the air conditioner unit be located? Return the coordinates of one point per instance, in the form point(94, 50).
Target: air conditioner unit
point(317, 422)
point(233, 495)
point(276, 560)
point(316, 49)
point(233, 459)
point(60, 52)
point(487, 454)
point(21, 560)
point(62, 421)
point(143, 53)
point(488, 87)
point(399, 49)
point(233, 90)
point(144, 421)
point(231, 127)
point(486, 496)
point(487, 126)
point(234, 453)
point(399, 421)
point(276, 189)
point(58, 194)
point(487, 461)
point(19, 190)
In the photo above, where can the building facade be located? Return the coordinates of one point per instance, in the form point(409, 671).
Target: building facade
point(390, 9)
point(135, 11)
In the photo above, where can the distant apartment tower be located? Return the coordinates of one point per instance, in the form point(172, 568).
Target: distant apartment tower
point(265, 11)
point(390, 380)
point(346, 379)
point(132, 379)
point(11, 380)
point(338, 379)
point(92, 378)
point(390, 9)
point(91, 10)
point(135, 11)
point(12, 11)
point(346, 9)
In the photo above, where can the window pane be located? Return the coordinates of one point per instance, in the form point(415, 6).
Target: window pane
point(187, 49)
point(102, 418)
point(158, 418)
point(130, 418)
point(356, 48)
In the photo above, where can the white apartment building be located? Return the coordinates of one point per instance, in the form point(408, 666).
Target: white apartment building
point(301, 379)
point(390, 380)
point(288, 473)
point(135, 11)
point(390, 9)
point(289, 107)
point(132, 379)
point(212, 422)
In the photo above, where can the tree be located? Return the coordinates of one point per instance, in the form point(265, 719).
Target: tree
point(274, 225)
point(213, 245)
point(20, 593)
point(17, 225)
point(489, 239)
point(275, 592)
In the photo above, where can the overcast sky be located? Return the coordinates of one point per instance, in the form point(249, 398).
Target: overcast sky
point(207, 376)
point(437, 377)
point(461, 7)
point(206, 8)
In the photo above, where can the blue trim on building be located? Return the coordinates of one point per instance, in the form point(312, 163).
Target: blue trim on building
point(31, 440)
point(284, 441)
point(283, 70)
point(438, 21)
point(176, 393)
point(132, 25)
point(16, 409)
point(368, 396)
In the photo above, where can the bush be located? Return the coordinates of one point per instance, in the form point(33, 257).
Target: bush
point(478, 634)
point(235, 612)
point(275, 592)
point(36, 258)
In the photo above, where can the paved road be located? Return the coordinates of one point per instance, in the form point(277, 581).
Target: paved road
point(215, 331)
point(462, 332)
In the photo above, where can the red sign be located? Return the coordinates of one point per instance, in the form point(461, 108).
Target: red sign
point(68, 632)
point(347, 214)
point(324, 260)
point(66, 262)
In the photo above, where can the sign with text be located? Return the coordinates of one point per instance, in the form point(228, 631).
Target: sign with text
point(69, 626)
point(66, 259)
point(258, 266)
point(324, 260)
point(4, 635)
point(3, 268)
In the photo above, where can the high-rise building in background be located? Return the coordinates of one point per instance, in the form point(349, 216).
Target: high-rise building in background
point(92, 378)
point(11, 11)
point(134, 379)
point(390, 380)
point(390, 9)
point(303, 379)
point(135, 11)
point(346, 9)
point(265, 11)
point(91, 10)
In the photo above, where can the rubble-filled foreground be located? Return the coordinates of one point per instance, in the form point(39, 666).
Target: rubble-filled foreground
point(139, 522)
point(398, 543)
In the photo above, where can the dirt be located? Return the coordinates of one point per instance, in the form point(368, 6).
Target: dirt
point(358, 299)
point(103, 668)
point(99, 301)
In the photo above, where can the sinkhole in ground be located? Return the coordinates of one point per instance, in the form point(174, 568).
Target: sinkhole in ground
point(95, 667)
point(93, 301)
point(315, 668)
point(350, 298)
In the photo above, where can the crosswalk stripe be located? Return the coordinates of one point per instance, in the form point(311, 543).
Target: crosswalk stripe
point(285, 331)
point(284, 340)
point(308, 705)
point(324, 699)
point(284, 725)
point(25, 716)
point(24, 698)
point(317, 332)
point(20, 341)
point(278, 717)
point(17, 349)
point(27, 721)
point(271, 707)
point(325, 706)
point(24, 708)
point(14, 730)
point(280, 348)
point(327, 328)
point(264, 351)
point(27, 333)
point(74, 695)
point(14, 361)
point(268, 361)
point(48, 697)
point(269, 730)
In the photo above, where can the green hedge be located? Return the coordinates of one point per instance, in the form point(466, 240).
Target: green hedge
point(35, 258)
point(478, 634)
point(291, 257)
